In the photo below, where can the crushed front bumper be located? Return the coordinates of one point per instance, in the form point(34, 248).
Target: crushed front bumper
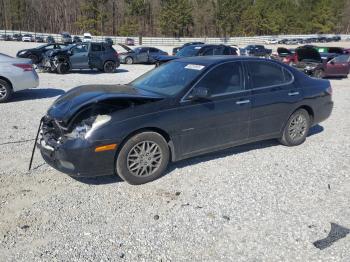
point(76, 157)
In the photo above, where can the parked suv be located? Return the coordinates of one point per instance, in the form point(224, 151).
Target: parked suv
point(257, 50)
point(82, 56)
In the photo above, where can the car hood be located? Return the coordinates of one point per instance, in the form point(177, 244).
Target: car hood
point(64, 108)
point(165, 57)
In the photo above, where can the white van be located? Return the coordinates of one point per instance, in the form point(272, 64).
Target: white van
point(87, 37)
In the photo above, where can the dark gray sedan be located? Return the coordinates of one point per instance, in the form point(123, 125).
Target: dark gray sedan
point(139, 55)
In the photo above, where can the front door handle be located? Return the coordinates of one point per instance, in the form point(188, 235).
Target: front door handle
point(242, 102)
point(293, 93)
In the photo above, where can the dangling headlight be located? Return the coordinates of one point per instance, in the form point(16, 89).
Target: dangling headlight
point(85, 128)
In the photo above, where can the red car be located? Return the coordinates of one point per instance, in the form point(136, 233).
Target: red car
point(333, 66)
point(285, 55)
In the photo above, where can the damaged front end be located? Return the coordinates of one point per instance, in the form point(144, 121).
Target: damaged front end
point(69, 139)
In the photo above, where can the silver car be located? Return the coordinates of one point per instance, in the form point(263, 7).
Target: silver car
point(15, 74)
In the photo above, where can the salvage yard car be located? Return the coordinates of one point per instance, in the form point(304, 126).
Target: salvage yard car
point(197, 50)
point(81, 56)
point(134, 130)
point(36, 54)
point(139, 55)
point(177, 49)
point(333, 66)
point(15, 74)
point(257, 50)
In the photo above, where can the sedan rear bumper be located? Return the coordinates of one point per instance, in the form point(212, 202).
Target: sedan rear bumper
point(323, 112)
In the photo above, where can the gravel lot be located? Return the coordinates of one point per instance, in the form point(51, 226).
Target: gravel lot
point(259, 202)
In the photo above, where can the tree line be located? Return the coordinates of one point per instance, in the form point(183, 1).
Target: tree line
point(177, 18)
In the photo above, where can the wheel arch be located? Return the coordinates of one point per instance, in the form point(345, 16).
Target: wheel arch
point(7, 80)
point(158, 130)
point(309, 110)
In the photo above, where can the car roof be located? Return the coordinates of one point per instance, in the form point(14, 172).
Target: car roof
point(212, 60)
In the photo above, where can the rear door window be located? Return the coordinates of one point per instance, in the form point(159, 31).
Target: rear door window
point(224, 79)
point(97, 47)
point(265, 74)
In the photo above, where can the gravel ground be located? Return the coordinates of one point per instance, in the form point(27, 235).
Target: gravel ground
point(259, 202)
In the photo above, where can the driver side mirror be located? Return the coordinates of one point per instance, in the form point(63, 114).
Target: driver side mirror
point(200, 93)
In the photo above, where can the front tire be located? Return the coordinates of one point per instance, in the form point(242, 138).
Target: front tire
point(296, 129)
point(34, 59)
point(143, 158)
point(5, 91)
point(319, 73)
point(129, 60)
point(63, 68)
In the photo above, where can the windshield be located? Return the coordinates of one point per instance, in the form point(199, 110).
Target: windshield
point(168, 79)
point(188, 51)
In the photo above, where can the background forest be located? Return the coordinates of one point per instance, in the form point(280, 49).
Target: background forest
point(197, 18)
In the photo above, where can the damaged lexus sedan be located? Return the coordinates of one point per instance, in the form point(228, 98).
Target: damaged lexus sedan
point(134, 130)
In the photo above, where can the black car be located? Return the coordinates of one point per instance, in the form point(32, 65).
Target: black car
point(77, 39)
point(257, 50)
point(50, 39)
point(177, 49)
point(308, 59)
point(37, 54)
point(109, 41)
point(197, 50)
point(134, 130)
point(90, 55)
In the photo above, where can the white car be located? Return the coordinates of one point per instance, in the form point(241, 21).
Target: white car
point(15, 74)
point(27, 38)
point(272, 41)
point(87, 38)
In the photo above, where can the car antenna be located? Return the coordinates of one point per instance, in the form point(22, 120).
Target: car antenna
point(34, 147)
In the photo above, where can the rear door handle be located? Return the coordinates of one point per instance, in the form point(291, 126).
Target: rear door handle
point(293, 93)
point(242, 102)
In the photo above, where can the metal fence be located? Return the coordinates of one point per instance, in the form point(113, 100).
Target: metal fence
point(171, 41)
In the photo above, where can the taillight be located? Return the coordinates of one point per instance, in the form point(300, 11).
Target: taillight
point(25, 67)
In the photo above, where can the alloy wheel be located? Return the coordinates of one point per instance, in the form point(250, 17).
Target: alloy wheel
point(144, 159)
point(3, 91)
point(297, 127)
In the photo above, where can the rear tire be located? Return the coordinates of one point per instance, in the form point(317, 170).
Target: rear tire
point(5, 91)
point(143, 158)
point(109, 67)
point(296, 129)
